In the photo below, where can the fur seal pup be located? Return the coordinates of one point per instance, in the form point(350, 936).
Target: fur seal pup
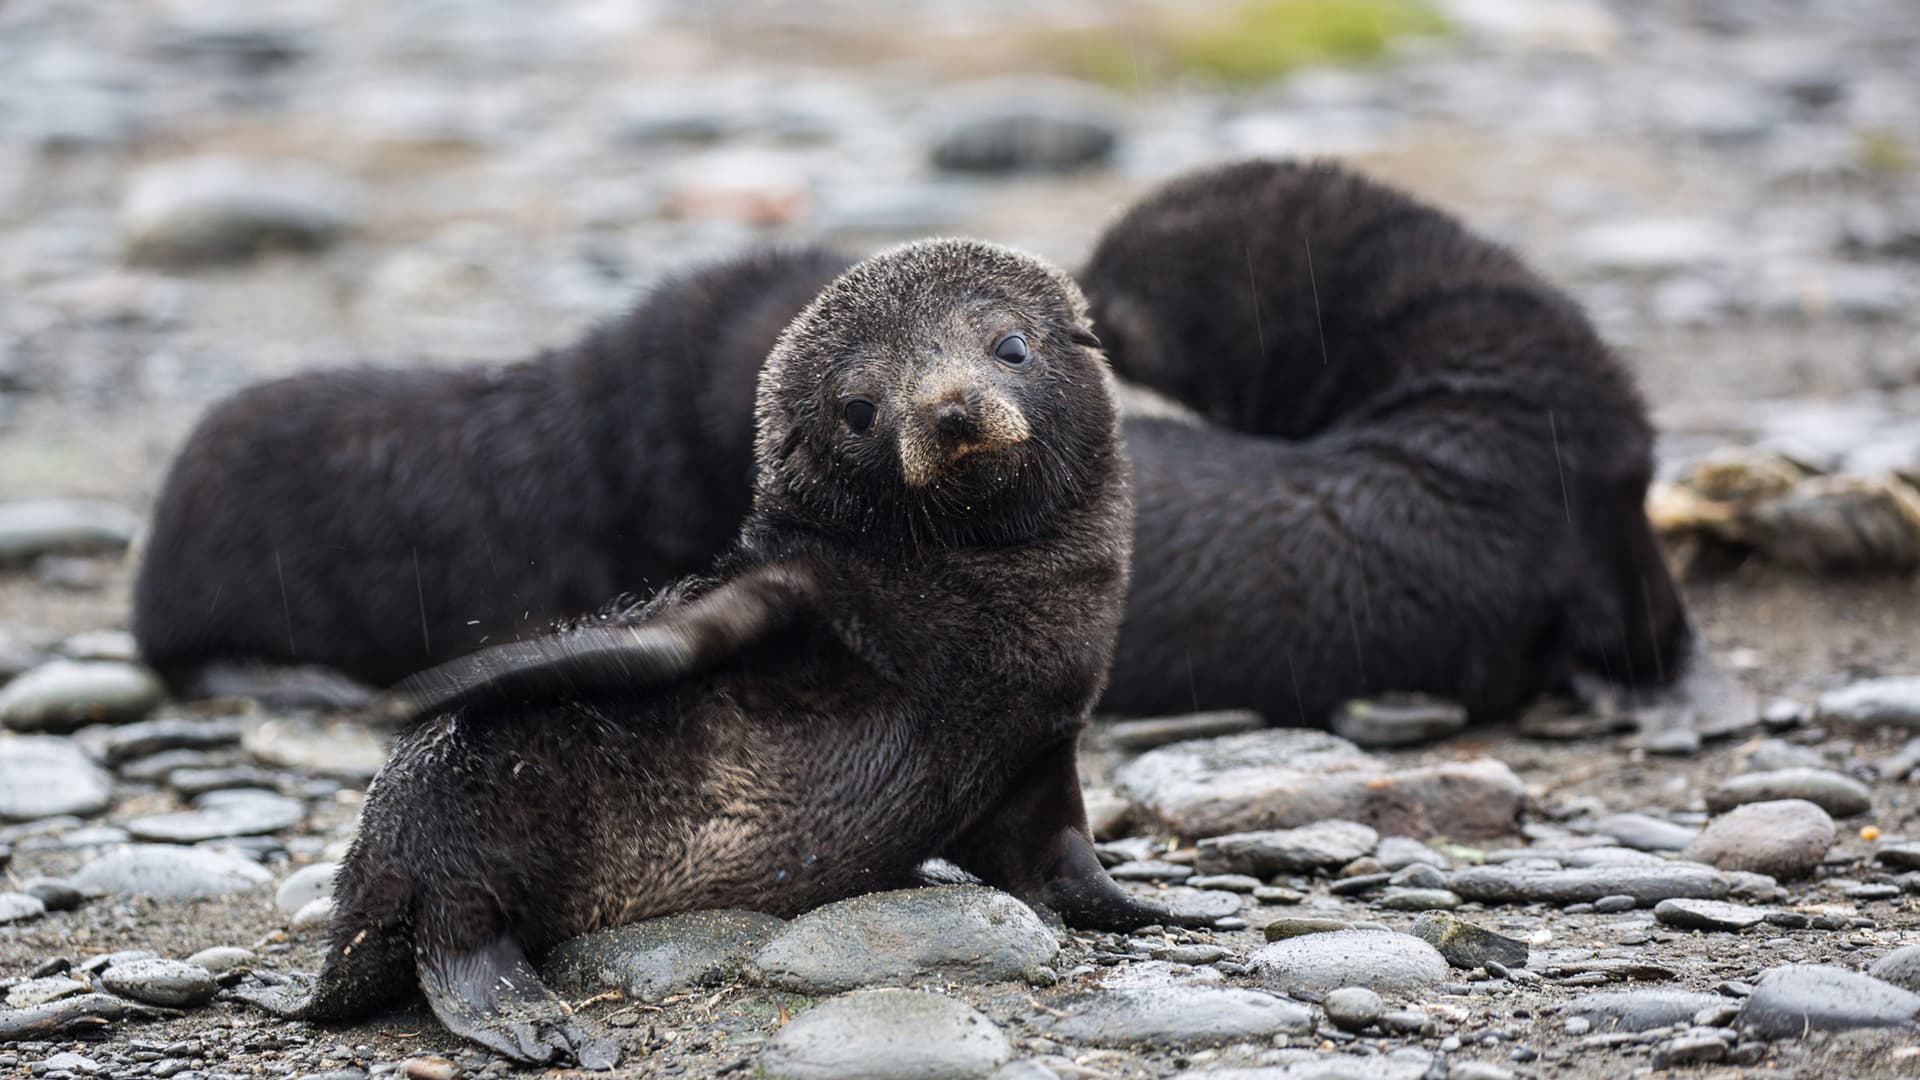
point(371, 522)
point(892, 664)
point(1420, 469)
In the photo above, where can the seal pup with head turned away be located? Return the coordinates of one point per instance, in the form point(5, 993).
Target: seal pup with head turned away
point(1420, 469)
point(372, 522)
point(893, 664)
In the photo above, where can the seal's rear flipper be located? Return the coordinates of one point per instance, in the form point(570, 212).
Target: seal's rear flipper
point(1036, 845)
point(492, 997)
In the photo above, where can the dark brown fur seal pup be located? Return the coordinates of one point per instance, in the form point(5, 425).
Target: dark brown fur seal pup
point(374, 522)
point(893, 664)
point(1433, 473)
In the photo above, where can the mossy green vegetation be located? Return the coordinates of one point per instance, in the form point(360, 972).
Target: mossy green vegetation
point(1885, 153)
point(1255, 41)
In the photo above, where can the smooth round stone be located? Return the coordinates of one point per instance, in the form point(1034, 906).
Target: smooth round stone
point(221, 959)
point(37, 527)
point(344, 750)
point(1025, 125)
point(57, 893)
point(48, 776)
point(175, 984)
point(1894, 700)
point(1785, 839)
point(62, 695)
point(1466, 945)
point(1644, 833)
point(1901, 967)
point(951, 932)
point(1353, 1007)
point(1639, 1010)
point(1789, 1001)
point(171, 873)
point(1399, 720)
point(1708, 915)
point(1319, 846)
point(214, 208)
point(1172, 1015)
point(1614, 905)
point(647, 961)
point(886, 1035)
point(1399, 899)
point(1401, 852)
point(1419, 876)
point(1841, 796)
point(19, 907)
point(1380, 960)
point(304, 886)
point(221, 814)
point(313, 915)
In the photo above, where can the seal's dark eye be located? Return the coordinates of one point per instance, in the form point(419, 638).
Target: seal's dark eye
point(859, 413)
point(1011, 350)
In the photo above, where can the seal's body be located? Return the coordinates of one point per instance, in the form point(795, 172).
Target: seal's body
point(1420, 470)
point(892, 665)
point(376, 521)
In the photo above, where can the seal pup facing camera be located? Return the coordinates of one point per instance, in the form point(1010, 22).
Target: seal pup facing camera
point(892, 664)
point(1419, 467)
point(372, 522)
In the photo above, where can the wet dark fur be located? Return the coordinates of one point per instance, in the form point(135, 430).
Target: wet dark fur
point(376, 521)
point(1431, 475)
point(874, 676)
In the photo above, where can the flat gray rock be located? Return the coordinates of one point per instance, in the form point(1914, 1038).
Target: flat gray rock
point(62, 695)
point(1407, 899)
point(220, 959)
point(304, 886)
point(1639, 1010)
point(25, 995)
point(1468, 945)
point(1400, 720)
point(1647, 884)
point(1286, 778)
point(214, 208)
point(647, 961)
point(221, 814)
point(336, 748)
point(1160, 730)
point(1708, 915)
point(123, 744)
point(167, 872)
point(1172, 1015)
point(1894, 700)
point(19, 907)
point(1789, 1001)
point(37, 527)
point(886, 1035)
point(1400, 852)
point(954, 931)
point(1005, 125)
point(1644, 833)
point(175, 984)
point(1837, 794)
point(1316, 1065)
point(1322, 845)
point(1901, 967)
point(1785, 839)
point(47, 776)
point(1379, 960)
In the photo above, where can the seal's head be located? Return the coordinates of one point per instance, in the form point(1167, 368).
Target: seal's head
point(945, 390)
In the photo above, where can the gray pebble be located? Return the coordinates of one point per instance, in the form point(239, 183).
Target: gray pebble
point(1319, 846)
point(62, 695)
point(1638, 1010)
point(19, 907)
point(1399, 720)
point(1893, 701)
point(1774, 754)
point(1172, 1015)
point(1419, 876)
point(221, 959)
point(1468, 946)
point(1708, 915)
point(1647, 884)
point(167, 872)
point(1785, 839)
point(150, 737)
point(31, 992)
point(1151, 870)
point(1025, 125)
point(880, 1034)
point(211, 209)
point(649, 960)
point(954, 931)
point(1613, 905)
point(58, 894)
point(36, 527)
point(313, 915)
point(1240, 883)
point(1380, 960)
point(1352, 1008)
point(1398, 899)
point(1839, 795)
point(1789, 1001)
point(219, 815)
point(1161, 730)
point(47, 776)
point(1401, 852)
point(304, 886)
point(173, 983)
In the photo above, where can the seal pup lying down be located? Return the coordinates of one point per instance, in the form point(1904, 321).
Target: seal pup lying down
point(372, 522)
point(892, 665)
point(1420, 469)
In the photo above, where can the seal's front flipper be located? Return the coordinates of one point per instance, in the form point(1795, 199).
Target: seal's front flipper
point(1035, 844)
point(492, 997)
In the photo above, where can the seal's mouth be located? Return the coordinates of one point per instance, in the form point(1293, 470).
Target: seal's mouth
point(972, 447)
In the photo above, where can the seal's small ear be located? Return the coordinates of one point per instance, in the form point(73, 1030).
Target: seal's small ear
point(1084, 336)
point(674, 644)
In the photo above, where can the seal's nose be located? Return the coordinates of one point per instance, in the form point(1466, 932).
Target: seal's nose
point(952, 420)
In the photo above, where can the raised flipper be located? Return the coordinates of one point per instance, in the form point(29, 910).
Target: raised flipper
point(1035, 844)
point(671, 645)
point(493, 997)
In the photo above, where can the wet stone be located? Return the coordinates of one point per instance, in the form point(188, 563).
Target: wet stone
point(885, 1034)
point(1838, 795)
point(167, 872)
point(1161, 730)
point(954, 931)
point(304, 886)
point(1399, 720)
point(19, 907)
point(1465, 945)
point(47, 776)
point(219, 815)
point(1318, 846)
point(1891, 701)
point(1647, 884)
point(1286, 778)
point(1708, 915)
point(1639, 1010)
point(62, 695)
point(1172, 1015)
point(149, 737)
point(38, 527)
point(647, 961)
point(172, 983)
point(1352, 1008)
point(1785, 839)
point(1380, 960)
point(1644, 833)
point(1789, 1001)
